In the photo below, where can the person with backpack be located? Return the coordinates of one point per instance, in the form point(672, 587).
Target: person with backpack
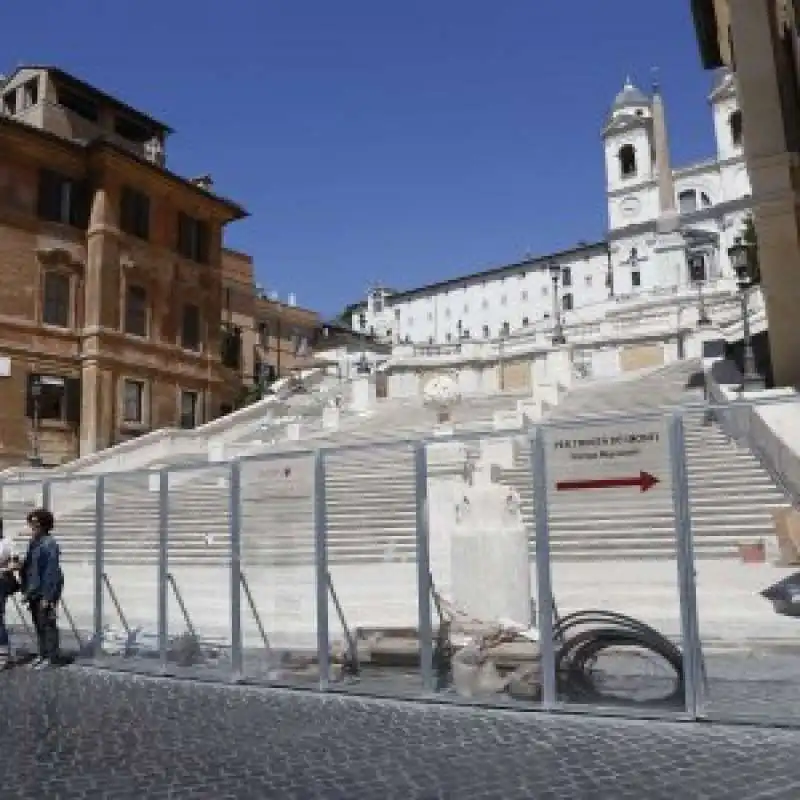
point(43, 584)
point(8, 586)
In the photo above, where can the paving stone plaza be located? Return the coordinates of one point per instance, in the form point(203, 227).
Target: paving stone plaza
point(85, 734)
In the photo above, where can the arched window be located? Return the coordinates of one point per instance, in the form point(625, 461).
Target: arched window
point(735, 122)
point(687, 201)
point(627, 160)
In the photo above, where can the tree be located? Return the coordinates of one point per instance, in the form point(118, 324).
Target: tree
point(750, 238)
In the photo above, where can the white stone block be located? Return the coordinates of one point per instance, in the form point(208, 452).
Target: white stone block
point(490, 567)
point(293, 431)
point(331, 418)
point(497, 452)
point(216, 451)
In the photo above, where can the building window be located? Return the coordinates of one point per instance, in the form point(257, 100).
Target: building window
point(133, 402)
point(193, 238)
point(63, 200)
point(377, 303)
point(449, 337)
point(10, 102)
point(525, 322)
point(566, 276)
point(588, 280)
point(505, 330)
point(54, 398)
point(485, 331)
point(735, 122)
point(566, 302)
point(189, 407)
point(263, 335)
point(705, 200)
point(30, 94)
point(56, 301)
point(190, 329)
point(362, 321)
point(231, 347)
point(687, 201)
point(134, 213)
point(627, 161)
point(136, 311)
point(636, 278)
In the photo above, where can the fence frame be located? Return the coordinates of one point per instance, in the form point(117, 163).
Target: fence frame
point(695, 701)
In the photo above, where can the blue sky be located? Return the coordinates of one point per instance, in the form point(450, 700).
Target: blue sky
point(379, 141)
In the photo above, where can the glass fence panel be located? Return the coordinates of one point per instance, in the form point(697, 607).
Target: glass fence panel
point(278, 569)
point(130, 570)
point(370, 525)
point(481, 528)
point(198, 569)
point(746, 540)
point(18, 498)
point(614, 563)
point(73, 502)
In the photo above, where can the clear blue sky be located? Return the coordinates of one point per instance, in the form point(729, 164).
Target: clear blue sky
point(400, 142)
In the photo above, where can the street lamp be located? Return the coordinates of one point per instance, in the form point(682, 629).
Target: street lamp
point(740, 257)
point(36, 397)
point(558, 330)
point(697, 275)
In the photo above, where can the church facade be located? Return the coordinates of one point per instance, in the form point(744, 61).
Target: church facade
point(660, 219)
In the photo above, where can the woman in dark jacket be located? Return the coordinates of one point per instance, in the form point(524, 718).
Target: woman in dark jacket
point(43, 583)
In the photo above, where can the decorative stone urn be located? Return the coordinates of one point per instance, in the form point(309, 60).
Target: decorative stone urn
point(441, 394)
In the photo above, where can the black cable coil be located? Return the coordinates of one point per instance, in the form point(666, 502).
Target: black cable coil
point(580, 637)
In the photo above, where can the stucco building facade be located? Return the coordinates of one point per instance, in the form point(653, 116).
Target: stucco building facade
point(111, 288)
point(759, 40)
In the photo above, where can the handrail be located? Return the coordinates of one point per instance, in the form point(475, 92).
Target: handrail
point(351, 663)
point(130, 635)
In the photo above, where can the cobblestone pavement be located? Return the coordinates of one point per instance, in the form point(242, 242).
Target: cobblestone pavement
point(80, 733)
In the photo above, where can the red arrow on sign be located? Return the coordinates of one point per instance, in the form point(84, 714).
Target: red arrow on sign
point(644, 480)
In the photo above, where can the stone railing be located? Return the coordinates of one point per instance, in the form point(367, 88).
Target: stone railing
point(766, 422)
point(169, 442)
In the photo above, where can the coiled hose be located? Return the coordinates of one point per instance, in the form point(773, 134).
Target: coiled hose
point(580, 637)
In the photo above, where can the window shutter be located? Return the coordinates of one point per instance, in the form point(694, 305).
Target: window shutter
point(80, 209)
point(203, 237)
point(73, 400)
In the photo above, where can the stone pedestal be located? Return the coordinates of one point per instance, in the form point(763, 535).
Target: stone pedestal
point(490, 569)
point(364, 393)
point(330, 418)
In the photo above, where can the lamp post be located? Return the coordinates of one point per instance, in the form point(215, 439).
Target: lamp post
point(740, 257)
point(697, 275)
point(558, 330)
point(501, 352)
point(36, 396)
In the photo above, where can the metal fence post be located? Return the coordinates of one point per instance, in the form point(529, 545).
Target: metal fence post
point(234, 499)
point(46, 495)
point(687, 589)
point(163, 567)
point(321, 561)
point(544, 583)
point(99, 568)
point(423, 568)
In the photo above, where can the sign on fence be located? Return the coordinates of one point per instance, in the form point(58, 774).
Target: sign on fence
point(629, 457)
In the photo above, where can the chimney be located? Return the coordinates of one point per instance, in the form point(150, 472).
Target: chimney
point(204, 182)
point(292, 299)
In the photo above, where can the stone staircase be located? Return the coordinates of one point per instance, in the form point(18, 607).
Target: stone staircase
point(370, 497)
point(731, 494)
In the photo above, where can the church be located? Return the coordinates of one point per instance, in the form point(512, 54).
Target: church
point(661, 219)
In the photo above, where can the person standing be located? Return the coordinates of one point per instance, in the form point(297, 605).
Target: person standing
point(8, 586)
point(43, 584)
